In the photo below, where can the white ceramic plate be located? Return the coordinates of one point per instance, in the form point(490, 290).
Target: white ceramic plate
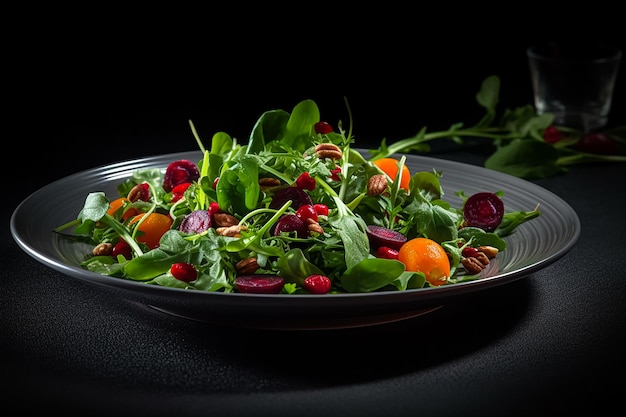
point(533, 246)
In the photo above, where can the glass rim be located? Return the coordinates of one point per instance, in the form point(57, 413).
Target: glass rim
point(596, 52)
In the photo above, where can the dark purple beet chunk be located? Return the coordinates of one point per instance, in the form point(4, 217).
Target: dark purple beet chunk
point(382, 236)
point(259, 284)
point(291, 223)
point(297, 196)
point(179, 172)
point(483, 210)
point(197, 221)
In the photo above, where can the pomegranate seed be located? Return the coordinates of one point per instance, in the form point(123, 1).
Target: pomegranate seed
point(323, 128)
point(321, 209)
point(214, 207)
point(215, 181)
point(305, 181)
point(386, 253)
point(334, 174)
point(597, 143)
point(184, 271)
point(317, 284)
point(178, 191)
point(306, 211)
point(469, 252)
point(122, 248)
point(552, 134)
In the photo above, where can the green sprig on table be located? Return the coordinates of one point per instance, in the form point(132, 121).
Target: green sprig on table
point(518, 137)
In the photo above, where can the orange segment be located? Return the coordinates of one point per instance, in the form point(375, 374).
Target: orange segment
point(153, 227)
point(425, 255)
point(116, 204)
point(390, 167)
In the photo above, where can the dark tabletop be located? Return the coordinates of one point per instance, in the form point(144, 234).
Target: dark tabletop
point(548, 344)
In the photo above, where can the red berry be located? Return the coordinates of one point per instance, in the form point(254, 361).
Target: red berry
point(214, 207)
point(178, 191)
point(215, 181)
point(469, 252)
point(597, 143)
point(122, 248)
point(306, 181)
point(317, 284)
point(306, 211)
point(321, 209)
point(386, 253)
point(334, 174)
point(184, 271)
point(552, 134)
point(323, 128)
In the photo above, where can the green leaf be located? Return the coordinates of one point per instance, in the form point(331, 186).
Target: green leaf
point(96, 206)
point(295, 267)
point(300, 125)
point(270, 126)
point(488, 97)
point(371, 274)
point(525, 158)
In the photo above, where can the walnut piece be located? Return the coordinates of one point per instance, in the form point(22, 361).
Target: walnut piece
point(103, 249)
point(230, 231)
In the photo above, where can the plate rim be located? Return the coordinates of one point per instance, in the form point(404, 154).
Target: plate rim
point(427, 297)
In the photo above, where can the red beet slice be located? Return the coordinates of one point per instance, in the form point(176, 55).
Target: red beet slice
point(297, 196)
point(291, 223)
point(197, 221)
point(259, 284)
point(179, 172)
point(382, 236)
point(483, 210)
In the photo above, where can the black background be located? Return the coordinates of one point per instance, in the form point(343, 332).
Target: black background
point(112, 82)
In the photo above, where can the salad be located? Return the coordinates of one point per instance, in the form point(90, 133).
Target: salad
point(296, 210)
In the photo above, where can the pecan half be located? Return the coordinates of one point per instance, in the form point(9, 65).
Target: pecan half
point(247, 266)
point(139, 192)
point(490, 251)
point(482, 258)
point(376, 185)
point(328, 150)
point(472, 265)
point(314, 226)
point(224, 220)
point(269, 182)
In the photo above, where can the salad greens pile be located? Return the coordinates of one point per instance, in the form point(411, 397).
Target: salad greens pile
point(232, 179)
point(522, 148)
